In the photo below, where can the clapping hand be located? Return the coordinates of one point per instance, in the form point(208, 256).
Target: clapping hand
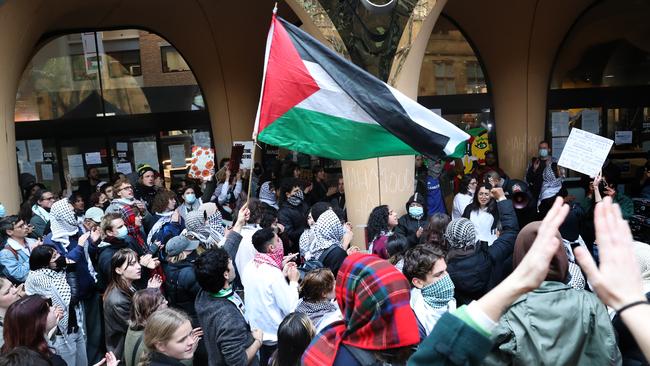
point(154, 282)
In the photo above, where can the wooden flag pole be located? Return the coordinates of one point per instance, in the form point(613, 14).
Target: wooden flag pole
point(250, 172)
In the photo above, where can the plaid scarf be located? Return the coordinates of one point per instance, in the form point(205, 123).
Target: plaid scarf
point(209, 232)
point(374, 299)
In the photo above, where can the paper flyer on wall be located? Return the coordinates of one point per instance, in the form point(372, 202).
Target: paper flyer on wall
point(93, 158)
point(21, 150)
point(560, 123)
point(47, 172)
point(585, 152)
point(145, 152)
point(76, 166)
point(177, 156)
point(35, 148)
point(124, 168)
point(590, 121)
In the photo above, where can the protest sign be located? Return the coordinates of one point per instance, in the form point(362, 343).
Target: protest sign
point(585, 152)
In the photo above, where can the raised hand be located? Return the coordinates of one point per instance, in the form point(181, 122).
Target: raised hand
point(154, 282)
point(618, 280)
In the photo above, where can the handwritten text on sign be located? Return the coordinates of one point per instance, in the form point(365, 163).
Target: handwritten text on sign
point(585, 152)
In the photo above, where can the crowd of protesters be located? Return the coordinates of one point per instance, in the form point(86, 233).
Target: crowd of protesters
point(481, 269)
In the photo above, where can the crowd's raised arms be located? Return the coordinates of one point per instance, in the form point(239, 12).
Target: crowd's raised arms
point(478, 268)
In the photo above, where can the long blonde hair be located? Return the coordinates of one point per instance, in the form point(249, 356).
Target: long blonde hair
point(160, 328)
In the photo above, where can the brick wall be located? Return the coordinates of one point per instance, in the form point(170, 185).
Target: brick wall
point(150, 58)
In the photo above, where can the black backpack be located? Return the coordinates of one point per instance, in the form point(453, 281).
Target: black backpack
point(313, 264)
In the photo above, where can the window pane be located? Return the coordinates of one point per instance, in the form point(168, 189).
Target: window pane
point(607, 47)
point(62, 80)
point(450, 56)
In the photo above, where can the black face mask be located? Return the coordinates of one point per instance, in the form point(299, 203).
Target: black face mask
point(105, 205)
point(60, 264)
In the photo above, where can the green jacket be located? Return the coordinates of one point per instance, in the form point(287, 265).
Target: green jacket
point(555, 325)
point(452, 342)
point(625, 202)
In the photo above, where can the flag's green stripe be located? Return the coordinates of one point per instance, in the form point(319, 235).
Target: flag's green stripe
point(323, 135)
point(460, 150)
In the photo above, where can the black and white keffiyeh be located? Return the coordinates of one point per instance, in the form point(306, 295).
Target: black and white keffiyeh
point(52, 285)
point(328, 231)
point(63, 222)
point(209, 232)
point(315, 311)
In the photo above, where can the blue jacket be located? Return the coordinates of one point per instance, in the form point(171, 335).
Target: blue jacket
point(75, 252)
point(14, 266)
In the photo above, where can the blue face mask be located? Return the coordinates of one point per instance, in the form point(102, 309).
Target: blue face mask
point(122, 232)
point(190, 198)
point(543, 153)
point(2, 210)
point(416, 211)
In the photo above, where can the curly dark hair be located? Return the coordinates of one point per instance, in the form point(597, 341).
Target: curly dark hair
point(463, 186)
point(377, 222)
point(419, 261)
point(209, 268)
point(287, 185)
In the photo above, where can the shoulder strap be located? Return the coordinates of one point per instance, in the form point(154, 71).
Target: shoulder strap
point(326, 253)
point(12, 250)
point(135, 349)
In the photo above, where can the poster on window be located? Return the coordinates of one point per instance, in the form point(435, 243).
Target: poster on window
point(146, 153)
point(202, 165)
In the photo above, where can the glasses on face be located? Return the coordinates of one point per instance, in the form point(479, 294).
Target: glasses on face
point(126, 187)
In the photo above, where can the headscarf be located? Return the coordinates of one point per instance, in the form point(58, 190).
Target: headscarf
point(460, 233)
point(63, 222)
point(559, 266)
point(267, 196)
point(551, 184)
point(327, 231)
point(374, 299)
point(209, 233)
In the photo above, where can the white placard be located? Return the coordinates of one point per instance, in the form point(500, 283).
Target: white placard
point(623, 137)
point(46, 172)
point(124, 168)
point(585, 152)
point(437, 111)
point(177, 156)
point(590, 121)
point(21, 150)
point(246, 158)
point(35, 148)
point(93, 158)
point(558, 146)
point(76, 166)
point(122, 146)
point(145, 152)
point(560, 123)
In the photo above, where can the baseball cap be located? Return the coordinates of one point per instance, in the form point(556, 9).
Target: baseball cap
point(95, 214)
point(179, 244)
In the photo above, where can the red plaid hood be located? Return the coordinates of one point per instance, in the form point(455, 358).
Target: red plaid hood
point(374, 299)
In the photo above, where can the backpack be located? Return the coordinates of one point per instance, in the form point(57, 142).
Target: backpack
point(313, 264)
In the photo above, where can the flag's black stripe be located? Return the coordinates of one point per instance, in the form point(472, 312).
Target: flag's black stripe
point(369, 92)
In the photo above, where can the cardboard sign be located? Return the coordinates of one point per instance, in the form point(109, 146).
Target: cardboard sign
point(585, 152)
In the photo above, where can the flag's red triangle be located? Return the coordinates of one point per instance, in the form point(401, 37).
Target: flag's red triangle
point(287, 81)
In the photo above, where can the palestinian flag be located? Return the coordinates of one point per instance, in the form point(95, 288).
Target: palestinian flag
point(316, 102)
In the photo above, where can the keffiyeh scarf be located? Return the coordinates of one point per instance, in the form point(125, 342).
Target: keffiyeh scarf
point(209, 232)
point(165, 218)
point(374, 299)
point(273, 258)
point(327, 231)
point(41, 212)
point(267, 196)
point(63, 222)
point(52, 285)
point(316, 310)
point(551, 184)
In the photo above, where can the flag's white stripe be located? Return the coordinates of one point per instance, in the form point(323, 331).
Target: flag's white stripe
point(431, 121)
point(331, 99)
point(267, 52)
